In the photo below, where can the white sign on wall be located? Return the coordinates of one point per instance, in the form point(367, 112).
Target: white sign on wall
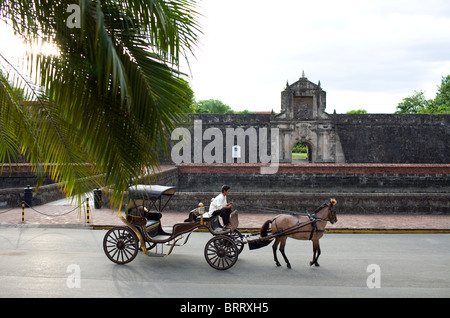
point(236, 151)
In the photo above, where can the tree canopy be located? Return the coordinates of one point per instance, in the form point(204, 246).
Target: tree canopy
point(357, 111)
point(102, 103)
point(211, 106)
point(418, 104)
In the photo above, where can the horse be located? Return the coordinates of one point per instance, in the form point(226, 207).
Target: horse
point(300, 227)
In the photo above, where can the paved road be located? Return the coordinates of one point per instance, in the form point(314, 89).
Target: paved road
point(56, 262)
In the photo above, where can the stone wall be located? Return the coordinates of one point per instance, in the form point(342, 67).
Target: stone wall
point(318, 178)
point(168, 176)
point(394, 138)
point(340, 138)
point(16, 178)
point(348, 203)
point(13, 197)
point(20, 175)
point(359, 188)
point(212, 137)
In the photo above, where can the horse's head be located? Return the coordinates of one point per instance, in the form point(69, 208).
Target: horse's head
point(327, 211)
point(332, 211)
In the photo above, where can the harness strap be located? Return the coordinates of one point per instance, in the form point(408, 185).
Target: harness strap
point(313, 220)
point(297, 228)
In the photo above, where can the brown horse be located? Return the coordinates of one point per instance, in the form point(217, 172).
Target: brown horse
point(300, 227)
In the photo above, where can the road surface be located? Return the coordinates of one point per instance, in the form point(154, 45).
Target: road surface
point(64, 262)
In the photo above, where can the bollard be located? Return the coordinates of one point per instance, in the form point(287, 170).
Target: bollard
point(98, 198)
point(28, 196)
point(23, 212)
point(87, 210)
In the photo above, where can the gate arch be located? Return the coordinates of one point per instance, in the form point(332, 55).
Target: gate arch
point(306, 146)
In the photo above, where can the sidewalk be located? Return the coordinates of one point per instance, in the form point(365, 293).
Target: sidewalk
point(62, 213)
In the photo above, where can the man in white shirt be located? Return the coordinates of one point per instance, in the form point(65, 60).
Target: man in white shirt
point(219, 206)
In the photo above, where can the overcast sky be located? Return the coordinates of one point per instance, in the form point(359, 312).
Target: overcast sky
point(368, 54)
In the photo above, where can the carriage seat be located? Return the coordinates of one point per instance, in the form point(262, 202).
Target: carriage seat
point(149, 226)
point(143, 221)
point(151, 223)
point(194, 216)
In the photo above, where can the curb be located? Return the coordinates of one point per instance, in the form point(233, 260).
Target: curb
point(371, 231)
point(338, 231)
point(49, 226)
point(243, 229)
point(389, 231)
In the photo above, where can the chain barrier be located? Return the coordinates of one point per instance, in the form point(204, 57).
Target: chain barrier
point(23, 204)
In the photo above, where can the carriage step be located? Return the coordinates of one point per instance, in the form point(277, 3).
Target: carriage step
point(220, 230)
point(160, 238)
point(171, 243)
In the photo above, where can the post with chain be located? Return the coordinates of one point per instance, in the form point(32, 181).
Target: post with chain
point(87, 210)
point(23, 212)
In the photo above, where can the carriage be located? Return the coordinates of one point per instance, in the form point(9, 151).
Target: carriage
point(143, 230)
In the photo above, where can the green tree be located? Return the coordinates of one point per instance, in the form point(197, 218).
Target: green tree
point(212, 106)
point(441, 103)
point(110, 93)
point(416, 103)
point(358, 111)
point(245, 111)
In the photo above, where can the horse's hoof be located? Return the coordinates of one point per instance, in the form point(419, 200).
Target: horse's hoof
point(289, 266)
point(317, 265)
point(278, 264)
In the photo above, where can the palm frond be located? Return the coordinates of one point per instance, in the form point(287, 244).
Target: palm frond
point(111, 94)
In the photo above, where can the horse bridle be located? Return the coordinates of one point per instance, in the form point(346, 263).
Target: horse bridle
point(331, 211)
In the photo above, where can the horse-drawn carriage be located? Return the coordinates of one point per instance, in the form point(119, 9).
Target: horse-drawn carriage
point(143, 230)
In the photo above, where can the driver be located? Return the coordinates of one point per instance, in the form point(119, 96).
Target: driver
point(219, 206)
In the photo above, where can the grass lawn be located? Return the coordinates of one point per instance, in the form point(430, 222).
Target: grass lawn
point(299, 155)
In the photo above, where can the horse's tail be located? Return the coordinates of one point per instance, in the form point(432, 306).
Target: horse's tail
point(265, 228)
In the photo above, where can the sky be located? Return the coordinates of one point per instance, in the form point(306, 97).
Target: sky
point(367, 54)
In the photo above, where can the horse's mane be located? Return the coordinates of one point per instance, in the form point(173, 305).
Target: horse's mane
point(315, 211)
point(320, 208)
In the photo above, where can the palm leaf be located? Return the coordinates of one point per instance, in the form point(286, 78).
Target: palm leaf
point(111, 95)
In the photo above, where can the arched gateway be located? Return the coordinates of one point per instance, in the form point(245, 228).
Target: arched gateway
point(303, 119)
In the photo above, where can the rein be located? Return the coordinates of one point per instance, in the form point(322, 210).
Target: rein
point(266, 209)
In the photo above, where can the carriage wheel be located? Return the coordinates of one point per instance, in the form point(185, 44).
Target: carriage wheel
point(120, 245)
point(221, 252)
point(238, 240)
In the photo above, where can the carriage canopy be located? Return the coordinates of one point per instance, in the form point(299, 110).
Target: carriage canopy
point(150, 192)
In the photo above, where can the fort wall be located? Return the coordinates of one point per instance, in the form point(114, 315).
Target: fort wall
point(359, 188)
